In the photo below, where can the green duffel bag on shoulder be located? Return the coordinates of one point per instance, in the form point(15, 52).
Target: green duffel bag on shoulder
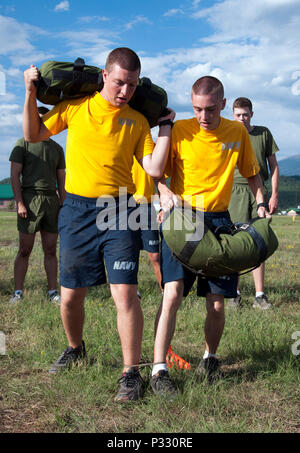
point(216, 252)
point(60, 80)
point(63, 80)
point(149, 99)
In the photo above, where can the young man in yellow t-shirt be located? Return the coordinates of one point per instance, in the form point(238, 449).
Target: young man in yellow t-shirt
point(204, 152)
point(104, 134)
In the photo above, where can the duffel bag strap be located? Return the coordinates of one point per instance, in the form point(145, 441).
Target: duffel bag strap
point(257, 238)
point(189, 247)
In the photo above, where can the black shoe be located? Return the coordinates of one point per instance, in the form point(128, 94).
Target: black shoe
point(262, 302)
point(209, 369)
point(236, 302)
point(162, 385)
point(68, 357)
point(131, 386)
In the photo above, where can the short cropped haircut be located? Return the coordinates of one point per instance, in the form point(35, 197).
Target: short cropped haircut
point(242, 103)
point(208, 85)
point(43, 110)
point(125, 58)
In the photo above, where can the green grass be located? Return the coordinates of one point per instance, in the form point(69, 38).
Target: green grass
point(260, 391)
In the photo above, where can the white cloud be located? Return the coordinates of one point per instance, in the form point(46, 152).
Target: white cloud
point(89, 19)
point(137, 20)
point(10, 115)
point(93, 45)
point(173, 12)
point(16, 42)
point(62, 6)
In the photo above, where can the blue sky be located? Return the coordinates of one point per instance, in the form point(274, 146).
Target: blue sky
point(252, 47)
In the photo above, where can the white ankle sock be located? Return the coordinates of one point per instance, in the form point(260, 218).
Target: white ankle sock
point(157, 367)
point(208, 354)
point(259, 293)
point(18, 292)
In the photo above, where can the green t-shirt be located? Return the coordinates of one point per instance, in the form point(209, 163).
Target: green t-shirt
point(264, 146)
point(40, 162)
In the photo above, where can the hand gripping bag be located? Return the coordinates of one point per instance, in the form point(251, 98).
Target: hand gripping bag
point(63, 80)
point(209, 252)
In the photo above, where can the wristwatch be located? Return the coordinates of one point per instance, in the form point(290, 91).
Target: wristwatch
point(263, 205)
point(165, 123)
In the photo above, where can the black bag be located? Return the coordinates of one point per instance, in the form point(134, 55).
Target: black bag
point(62, 80)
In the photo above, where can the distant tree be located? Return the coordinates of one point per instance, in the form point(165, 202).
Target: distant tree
point(5, 181)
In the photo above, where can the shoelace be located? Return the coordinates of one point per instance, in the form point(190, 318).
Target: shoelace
point(165, 381)
point(130, 380)
point(68, 354)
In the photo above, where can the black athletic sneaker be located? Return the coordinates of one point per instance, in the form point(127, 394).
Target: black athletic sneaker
point(162, 385)
point(262, 302)
point(236, 302)
point(209, 369)
point(68, 357)
point(131, 386)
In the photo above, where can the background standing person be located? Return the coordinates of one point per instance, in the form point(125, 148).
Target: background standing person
point(37, 171)
point(204, 152)
point(242, 206)
point(104, 134)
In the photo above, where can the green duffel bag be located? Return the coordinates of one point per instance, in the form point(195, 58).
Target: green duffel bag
point(216, 252)
point(62, 80)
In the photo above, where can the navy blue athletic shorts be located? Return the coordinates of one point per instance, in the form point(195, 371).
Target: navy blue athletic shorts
point(93, 233)
point(172, 270)
point(149, 234)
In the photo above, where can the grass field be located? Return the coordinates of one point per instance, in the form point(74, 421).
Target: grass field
point(259, 393)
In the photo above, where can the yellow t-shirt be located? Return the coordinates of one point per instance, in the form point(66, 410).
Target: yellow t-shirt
point(144, 184)
point(201, 163)
point(101, 142)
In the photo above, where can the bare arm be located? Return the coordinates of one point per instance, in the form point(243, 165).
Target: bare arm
point(256, 187)
point(60, 176)
point(274, 169)
point(154, 164)
point(15, 173)
point(34, 129)
point(167, 198)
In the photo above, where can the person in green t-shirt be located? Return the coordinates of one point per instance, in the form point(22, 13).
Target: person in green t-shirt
point(242, 205)
point(36, 170)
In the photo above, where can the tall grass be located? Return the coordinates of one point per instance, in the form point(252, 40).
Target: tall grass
point(259, 391)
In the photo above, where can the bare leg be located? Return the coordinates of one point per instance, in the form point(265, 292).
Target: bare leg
point(49, 241)
point(258, 277)
point(166, 319)
point(215, 321)
point(26, 242)
point(130, 322)
point(72, 314)
point(155, 261)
